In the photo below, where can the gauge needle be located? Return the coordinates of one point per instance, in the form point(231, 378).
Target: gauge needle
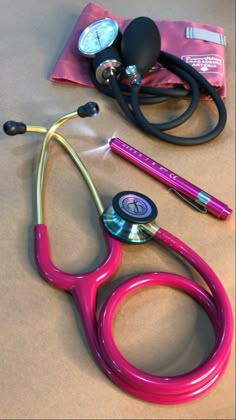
point(98, 38)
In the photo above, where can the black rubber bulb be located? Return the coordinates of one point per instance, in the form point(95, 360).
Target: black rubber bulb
point(140, 44)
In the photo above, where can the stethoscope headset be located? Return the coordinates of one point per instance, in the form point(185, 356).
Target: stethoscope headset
point(131, 219)
point(114, 58)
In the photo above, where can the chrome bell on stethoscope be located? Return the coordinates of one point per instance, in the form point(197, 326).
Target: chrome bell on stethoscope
point(125, 217)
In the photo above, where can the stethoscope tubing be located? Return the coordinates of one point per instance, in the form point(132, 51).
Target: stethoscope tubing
point(186, 387)
point(98, 330)
point(98, 327)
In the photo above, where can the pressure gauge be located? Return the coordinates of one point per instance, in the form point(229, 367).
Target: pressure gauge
point(98, 36)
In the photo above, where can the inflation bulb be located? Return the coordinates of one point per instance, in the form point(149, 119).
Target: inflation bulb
point(140, 44)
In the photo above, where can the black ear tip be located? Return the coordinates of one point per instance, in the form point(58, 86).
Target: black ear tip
point(12, 128)
point(9, 127)
point(90, 109)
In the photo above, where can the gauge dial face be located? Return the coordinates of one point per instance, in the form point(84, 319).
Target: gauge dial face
point(96, 37)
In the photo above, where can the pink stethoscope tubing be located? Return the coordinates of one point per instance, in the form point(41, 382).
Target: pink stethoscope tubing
point(83, 287)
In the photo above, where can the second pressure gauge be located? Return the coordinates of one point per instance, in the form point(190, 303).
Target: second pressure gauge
point(98, 36)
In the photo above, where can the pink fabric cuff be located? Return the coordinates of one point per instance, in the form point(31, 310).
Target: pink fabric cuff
point(208, 57)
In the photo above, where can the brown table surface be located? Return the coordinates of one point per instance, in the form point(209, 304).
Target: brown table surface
point(46, 369)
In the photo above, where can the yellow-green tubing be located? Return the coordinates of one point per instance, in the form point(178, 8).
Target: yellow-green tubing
point(50, 134)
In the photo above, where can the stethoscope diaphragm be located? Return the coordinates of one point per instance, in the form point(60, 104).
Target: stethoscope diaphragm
point(125, 217)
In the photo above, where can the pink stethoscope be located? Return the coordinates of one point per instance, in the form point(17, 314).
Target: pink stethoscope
point(130, 219)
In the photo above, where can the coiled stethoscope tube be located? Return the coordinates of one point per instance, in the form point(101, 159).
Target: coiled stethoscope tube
point(84, 287)
point(131, 96)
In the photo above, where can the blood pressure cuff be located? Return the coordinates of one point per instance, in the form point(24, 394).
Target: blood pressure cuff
point(200, 45)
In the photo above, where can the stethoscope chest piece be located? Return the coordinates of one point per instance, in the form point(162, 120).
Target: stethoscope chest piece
point(125, 217)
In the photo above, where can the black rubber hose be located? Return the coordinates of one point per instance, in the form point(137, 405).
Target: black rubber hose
point(134, 113)
point(131, 97)
point(150, 97)
point(114, 91)
point(121, 101)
